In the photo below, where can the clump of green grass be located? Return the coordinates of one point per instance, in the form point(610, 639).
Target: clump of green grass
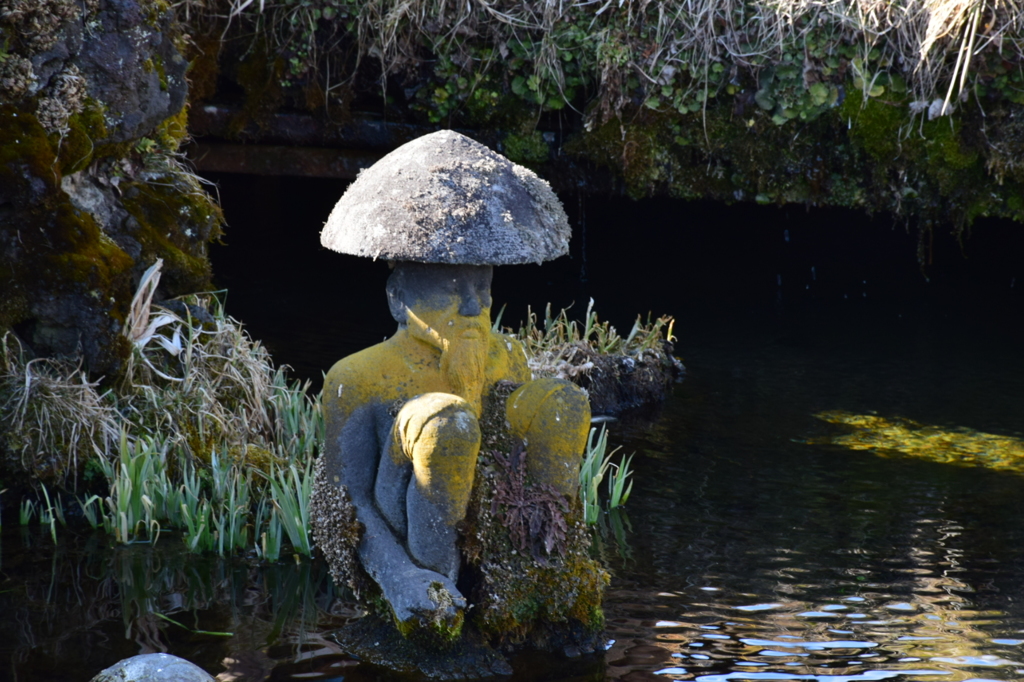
point(203, 436)
point(597, 464)
point(290, 491)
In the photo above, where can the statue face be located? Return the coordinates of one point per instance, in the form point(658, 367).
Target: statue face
point(451, 300)
point(448, 307)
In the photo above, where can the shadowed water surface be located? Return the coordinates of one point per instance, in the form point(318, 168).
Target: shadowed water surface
point(764, 547)
point(759, 544)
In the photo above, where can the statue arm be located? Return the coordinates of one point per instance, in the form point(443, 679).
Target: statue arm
point(353, 445)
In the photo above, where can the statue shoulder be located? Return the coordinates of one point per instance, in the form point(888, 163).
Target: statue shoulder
point(511, 356)
point(510, 343)
point(355, 379)
point(351, 366)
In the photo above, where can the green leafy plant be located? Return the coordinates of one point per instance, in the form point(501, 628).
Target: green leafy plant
point(130, 509)
point(92, 510)
point(620, 483)
point(272, 534)
point(597, 462)
point(52, 512)
point(290, 491)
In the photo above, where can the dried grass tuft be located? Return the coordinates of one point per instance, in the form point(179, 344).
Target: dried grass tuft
point(566, 349)
point(54, 418)
point(932, 43)
point(208, 385)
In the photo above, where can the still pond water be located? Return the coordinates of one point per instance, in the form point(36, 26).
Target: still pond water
point(835, 493)
point(762, 542)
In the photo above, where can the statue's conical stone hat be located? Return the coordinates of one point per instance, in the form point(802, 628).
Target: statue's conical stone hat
point(444, 198)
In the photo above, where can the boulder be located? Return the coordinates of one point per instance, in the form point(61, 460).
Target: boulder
point(92, 113)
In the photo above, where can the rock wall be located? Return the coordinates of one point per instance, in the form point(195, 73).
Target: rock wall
point(92, 189)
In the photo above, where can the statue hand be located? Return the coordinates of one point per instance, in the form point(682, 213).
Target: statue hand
point(425, 598)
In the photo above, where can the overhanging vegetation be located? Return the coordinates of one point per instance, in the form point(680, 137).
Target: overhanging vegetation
point(914, 107)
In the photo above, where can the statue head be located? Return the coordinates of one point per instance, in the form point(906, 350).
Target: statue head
point(445, 209)
point(447, 307)
point(446, 292)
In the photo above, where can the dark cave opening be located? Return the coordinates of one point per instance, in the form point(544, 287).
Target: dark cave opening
point(731, 266)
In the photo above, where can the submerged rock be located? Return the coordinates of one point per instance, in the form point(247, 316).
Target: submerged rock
point(153, 668)
point(377, 641)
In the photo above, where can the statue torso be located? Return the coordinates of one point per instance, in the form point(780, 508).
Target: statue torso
point(402, 367)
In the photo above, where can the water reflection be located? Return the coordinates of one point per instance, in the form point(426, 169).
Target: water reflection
point(779, 545)
point(915, 629)
point(71, 610)
point(918, 615)
point(953, 445)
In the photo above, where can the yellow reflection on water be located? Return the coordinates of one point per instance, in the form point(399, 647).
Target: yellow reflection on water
point(956, 445)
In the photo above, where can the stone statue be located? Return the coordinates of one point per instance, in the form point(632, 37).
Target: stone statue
point(403, 417)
